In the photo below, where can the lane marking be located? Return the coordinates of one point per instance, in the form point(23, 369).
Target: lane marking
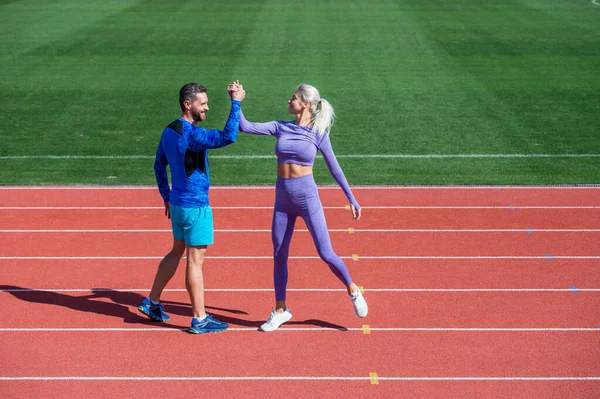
point(374, 378)
point(466, 257)
point(78, 208)
point(350, 230)
point(550, 257)
point(366, 329)
point(92, 290)
point(529, 231)
point(318, 329)
point(575, 291)
point(354, 257)
point(292, 378)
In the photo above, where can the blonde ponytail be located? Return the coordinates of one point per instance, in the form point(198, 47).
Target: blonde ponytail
point(323, 114)
point(323, 117)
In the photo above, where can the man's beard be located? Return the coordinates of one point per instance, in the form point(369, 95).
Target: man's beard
point(198, 116)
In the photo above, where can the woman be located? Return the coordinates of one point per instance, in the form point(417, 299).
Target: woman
point(296, 191)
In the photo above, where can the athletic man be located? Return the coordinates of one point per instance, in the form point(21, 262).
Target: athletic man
point(184, 147)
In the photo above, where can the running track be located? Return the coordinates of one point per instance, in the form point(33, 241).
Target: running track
point(473, 292)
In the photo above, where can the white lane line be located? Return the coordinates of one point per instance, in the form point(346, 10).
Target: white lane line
point(513, 207)
point(270, 208)
point(78, 208)
point(92, 290)
point(320, 329)
point(298, 257)
point(295, 378)
point(121, 231)
point(306, 231)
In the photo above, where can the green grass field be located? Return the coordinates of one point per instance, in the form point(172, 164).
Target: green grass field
point(426, 92)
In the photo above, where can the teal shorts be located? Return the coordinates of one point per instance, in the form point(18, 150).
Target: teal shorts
point(192, 225)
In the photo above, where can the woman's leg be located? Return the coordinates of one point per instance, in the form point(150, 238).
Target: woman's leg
point(317, 226)
point(315, 221)
point(281, 234)
point(282, 230)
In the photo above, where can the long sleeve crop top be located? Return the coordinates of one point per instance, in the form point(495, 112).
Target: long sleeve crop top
point(298, 145)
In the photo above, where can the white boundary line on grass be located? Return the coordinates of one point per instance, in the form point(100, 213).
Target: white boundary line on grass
point(356, 156)
point(324, 187)
point(596, 3)
point(294, 378)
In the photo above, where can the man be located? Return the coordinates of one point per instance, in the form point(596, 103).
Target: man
point(183, 147)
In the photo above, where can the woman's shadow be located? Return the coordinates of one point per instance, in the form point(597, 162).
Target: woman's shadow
point(122, 302)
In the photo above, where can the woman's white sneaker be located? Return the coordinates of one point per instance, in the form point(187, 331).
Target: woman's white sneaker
point(360, 305)
point(276, 319)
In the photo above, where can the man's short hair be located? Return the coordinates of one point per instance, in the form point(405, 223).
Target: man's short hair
point(189, 92)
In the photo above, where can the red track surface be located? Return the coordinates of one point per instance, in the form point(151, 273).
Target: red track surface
point(473, 292)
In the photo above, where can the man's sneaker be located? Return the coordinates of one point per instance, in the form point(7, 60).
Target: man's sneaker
point(276, 319)
point(208, 324)
point(360, 305)
point(155, 312)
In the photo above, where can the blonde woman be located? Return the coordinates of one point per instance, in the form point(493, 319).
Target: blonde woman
point(296, 192)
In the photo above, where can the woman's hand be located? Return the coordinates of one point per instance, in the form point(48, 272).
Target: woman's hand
point(233, 86)
point(236, 91)
point(355, 212)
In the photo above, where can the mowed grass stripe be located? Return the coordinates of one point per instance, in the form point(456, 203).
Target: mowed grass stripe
point(429, 77)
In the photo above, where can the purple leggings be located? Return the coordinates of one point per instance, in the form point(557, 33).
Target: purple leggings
point(299, 197)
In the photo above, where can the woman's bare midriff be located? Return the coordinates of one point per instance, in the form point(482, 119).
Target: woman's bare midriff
point(292, 170)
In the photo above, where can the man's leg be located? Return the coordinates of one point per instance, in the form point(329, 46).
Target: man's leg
point(199, 235)
point(194, 282)
point(194, 279)
point(166, 269)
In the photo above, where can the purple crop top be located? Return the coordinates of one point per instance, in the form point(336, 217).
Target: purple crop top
point(298, 145)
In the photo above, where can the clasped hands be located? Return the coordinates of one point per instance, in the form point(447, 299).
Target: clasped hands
point(236, 91)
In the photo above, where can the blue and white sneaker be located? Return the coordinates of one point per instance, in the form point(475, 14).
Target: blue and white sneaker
point(155, 312)
point(208, 324)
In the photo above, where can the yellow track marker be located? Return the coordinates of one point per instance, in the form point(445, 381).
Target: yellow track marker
point(347, 207)
point(350, 230)
point(366, 329)
point(361, 288)
point(374, 378)
point(355, 257)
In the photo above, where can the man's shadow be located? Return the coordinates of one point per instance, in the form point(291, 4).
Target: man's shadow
point(122, 302)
